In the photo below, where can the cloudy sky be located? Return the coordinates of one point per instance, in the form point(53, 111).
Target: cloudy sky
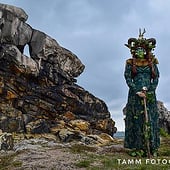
point(96, 31)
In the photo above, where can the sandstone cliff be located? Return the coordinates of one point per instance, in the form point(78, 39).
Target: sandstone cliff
point(39, 94)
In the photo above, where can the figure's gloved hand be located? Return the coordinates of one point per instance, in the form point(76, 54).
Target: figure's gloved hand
point(143, 92)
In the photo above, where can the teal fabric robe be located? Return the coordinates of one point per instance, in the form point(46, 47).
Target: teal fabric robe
point(134, 120)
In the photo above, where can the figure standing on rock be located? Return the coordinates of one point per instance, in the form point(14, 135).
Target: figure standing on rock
point(142, 75)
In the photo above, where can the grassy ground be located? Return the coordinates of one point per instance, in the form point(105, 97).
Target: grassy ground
point(111, 157)
point(8, 162)
point(122, 160)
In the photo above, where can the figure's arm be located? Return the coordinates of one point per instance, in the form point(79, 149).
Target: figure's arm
point(154, 82)
point(128, 77)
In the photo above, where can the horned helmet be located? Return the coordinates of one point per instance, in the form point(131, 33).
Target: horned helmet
point(141, 47)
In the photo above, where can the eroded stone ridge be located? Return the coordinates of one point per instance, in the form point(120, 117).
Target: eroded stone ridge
point(38, 94)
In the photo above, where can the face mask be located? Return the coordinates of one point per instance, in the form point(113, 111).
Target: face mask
point(140, 53)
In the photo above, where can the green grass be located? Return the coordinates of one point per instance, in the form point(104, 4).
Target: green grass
point(78, 148)
point(7, 162)
point(17, 163)
point(109, 161)
point(83, 164)
point(163, 133)
point(165, 146)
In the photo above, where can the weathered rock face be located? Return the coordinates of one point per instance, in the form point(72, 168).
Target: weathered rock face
point(164, 117)
point(50, 57)
point(38, 94)
point(6, 141)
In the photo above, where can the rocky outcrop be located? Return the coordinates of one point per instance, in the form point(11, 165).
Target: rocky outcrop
point(53, 61)
point(39, 94)
point(164, 117)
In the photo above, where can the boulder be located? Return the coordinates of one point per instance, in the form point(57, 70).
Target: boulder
point(6, 141)
point(13, 29)
point(79, 124)
point(52, 58)
point(164, 117)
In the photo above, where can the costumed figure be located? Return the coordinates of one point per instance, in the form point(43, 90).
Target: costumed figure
point(141, 74)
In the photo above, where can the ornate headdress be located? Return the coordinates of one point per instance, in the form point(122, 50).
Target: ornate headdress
point(140, 48)
point(147, 44)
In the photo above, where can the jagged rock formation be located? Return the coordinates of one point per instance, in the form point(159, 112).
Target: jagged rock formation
point(164, 117)
point(38, 94)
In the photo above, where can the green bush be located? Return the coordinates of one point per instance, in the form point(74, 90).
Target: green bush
point(163, 133)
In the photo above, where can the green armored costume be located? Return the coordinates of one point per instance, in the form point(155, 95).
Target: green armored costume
point(141, 72)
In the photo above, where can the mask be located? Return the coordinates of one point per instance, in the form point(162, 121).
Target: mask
point(140, 53)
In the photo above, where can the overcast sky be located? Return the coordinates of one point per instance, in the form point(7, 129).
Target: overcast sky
point(96, 31)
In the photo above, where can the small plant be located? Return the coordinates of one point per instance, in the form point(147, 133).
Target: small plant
point(137, 153)
point(17, 163)
point(83, 164)
point(7, 161)
point(108, 163)
point(77, 148)
point(163, 133)
point(165, 143)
